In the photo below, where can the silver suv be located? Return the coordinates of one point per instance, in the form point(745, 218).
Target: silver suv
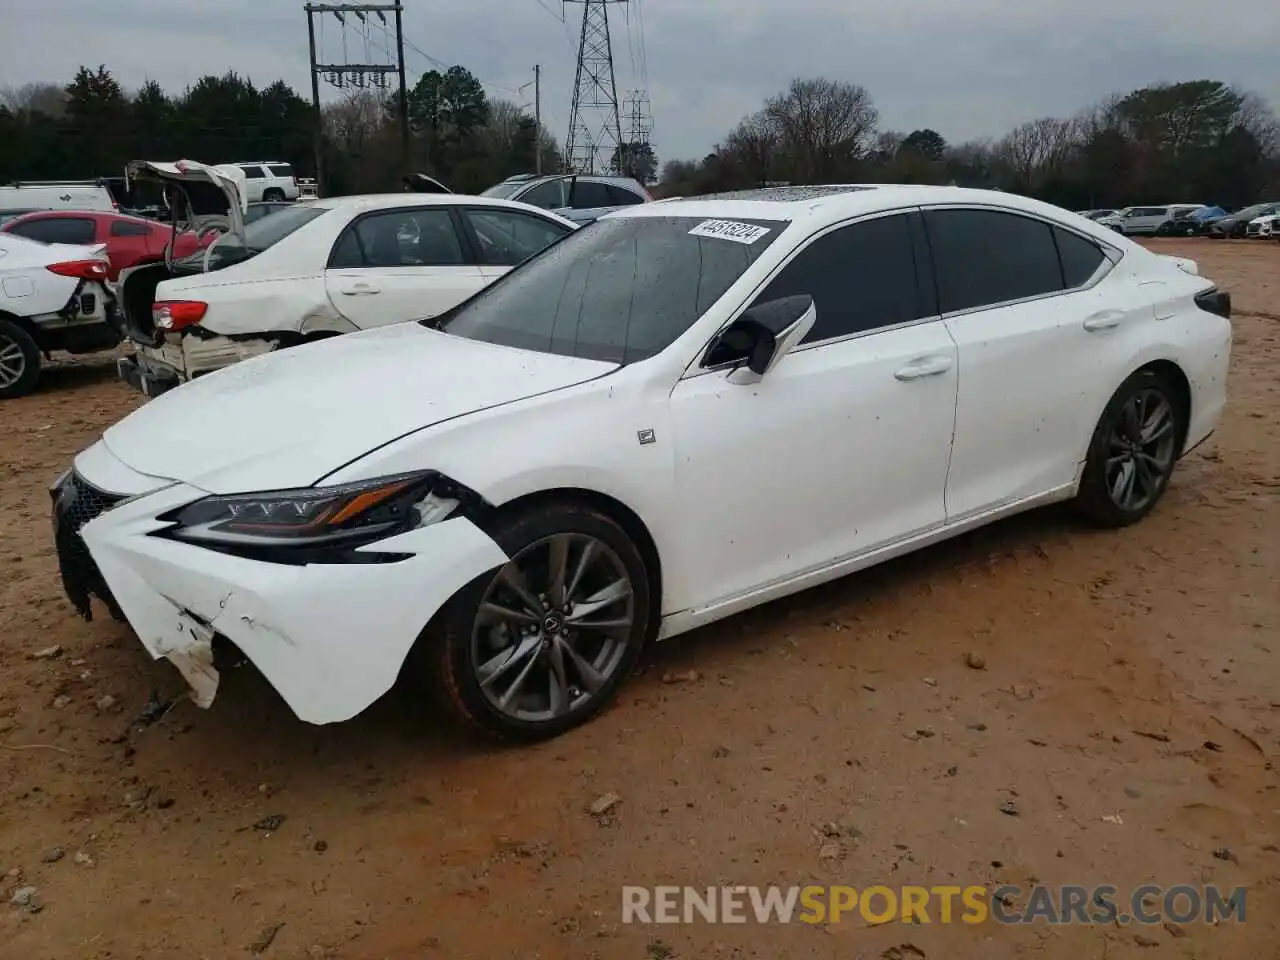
point(579, 198)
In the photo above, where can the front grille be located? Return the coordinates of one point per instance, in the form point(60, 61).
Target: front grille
point(75, 503)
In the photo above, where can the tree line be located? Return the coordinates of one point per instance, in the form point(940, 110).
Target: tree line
point(1195, 141)
point(1200, 141)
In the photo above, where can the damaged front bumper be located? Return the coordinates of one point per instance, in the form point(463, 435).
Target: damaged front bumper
point(330, 638)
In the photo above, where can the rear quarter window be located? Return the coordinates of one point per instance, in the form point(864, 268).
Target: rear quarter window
point(281, 170)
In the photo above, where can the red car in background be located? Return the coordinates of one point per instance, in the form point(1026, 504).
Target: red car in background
point(129, 240)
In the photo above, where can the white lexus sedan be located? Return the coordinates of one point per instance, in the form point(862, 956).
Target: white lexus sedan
point(679, 412)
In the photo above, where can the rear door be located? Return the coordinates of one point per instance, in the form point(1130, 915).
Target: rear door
point(406, 263)
point(504, 238)
point(589, 200)
point(128, 241)
point(1036, 329)
point(255, 181)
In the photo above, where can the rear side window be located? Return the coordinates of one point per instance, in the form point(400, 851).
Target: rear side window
point(550, 195)
point(861, 277)
point(127, 228)
point(588, 195)
point(252, 172)
point(1080, 258)
point(985, 257)
point(621, 196)
point(75, 230)
point(281, 170)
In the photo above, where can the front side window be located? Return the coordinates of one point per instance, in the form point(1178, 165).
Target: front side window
point(861, 277)
point(507, 238)
point(398, 238)
point(619, 290)
point(985, 257)
point(74, 230)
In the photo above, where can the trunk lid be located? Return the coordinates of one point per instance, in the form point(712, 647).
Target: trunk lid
point(214, 196)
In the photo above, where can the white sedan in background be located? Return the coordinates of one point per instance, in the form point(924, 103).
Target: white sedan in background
point(679, 412)
point(53, 296)
point(314, 270)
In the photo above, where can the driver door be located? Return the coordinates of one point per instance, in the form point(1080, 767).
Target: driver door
point(405, 263)
point(843, 447)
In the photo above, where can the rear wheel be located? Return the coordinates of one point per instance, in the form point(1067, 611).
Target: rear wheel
point(272, 195)
point(541, 644)
point(1133, 451)
point(19, 361)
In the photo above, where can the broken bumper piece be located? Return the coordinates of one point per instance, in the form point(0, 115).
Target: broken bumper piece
point(330, 638)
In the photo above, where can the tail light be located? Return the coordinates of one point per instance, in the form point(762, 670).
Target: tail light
point(80, 269)
point(177, 314)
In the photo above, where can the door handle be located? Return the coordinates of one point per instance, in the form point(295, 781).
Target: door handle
point(1104, 320)
point(924, 367)
point(359, 289)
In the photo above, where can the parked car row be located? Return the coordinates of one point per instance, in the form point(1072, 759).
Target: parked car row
point(1190, 220)
point(650, 423)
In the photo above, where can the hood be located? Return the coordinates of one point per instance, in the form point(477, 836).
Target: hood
point(216, 195)
point(287, 419)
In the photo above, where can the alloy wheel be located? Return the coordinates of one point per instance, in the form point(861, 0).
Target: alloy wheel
point(1140, 450)
point(553, 627)
point(13, 362)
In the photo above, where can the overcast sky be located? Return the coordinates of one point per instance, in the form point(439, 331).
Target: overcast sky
point(968, 68)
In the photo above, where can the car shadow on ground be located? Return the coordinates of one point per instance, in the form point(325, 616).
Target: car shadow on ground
point(250, 728)
point(72, 374)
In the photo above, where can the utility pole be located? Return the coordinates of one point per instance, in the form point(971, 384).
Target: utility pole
point(537, 119)
point(357, 75)
point(318, 136)
point(595, 126)
point(404, 94)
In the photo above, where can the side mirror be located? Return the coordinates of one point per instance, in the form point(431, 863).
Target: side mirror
point(762, 336)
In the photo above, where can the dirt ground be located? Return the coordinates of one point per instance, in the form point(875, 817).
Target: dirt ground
point(1129, 709)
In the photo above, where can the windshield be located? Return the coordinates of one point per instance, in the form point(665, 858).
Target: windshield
point(620, 289)
point(262, 233)
point(503, 190)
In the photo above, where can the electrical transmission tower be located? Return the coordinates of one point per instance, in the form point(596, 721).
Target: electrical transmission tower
point(374, 71)
point(595, 123)
point(638, 117)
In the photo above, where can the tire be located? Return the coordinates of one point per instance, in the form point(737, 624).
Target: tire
point(1116, 465)
point(458, 645)
point(19, 361)
point(272, 195)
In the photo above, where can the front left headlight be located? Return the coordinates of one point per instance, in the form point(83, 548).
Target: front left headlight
point(347, 515)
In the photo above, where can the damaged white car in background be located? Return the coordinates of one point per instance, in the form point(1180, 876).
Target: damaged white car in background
point(313, 271)
point(676, 413)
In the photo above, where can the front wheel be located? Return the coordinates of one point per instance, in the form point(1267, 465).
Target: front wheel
point(19, 361)
point(1133, 451)
point(536, 647)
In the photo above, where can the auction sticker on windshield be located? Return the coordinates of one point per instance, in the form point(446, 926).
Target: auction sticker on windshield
point(729, 230)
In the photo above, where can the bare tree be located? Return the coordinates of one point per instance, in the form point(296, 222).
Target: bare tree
point(1256, 116)
point(47, 98)
point(754, 144)
point(1037, 148)
point(823, 126)
point(354, 120)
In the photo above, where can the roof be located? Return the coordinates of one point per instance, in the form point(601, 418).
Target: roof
point(389, 201)
point(828, 203)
